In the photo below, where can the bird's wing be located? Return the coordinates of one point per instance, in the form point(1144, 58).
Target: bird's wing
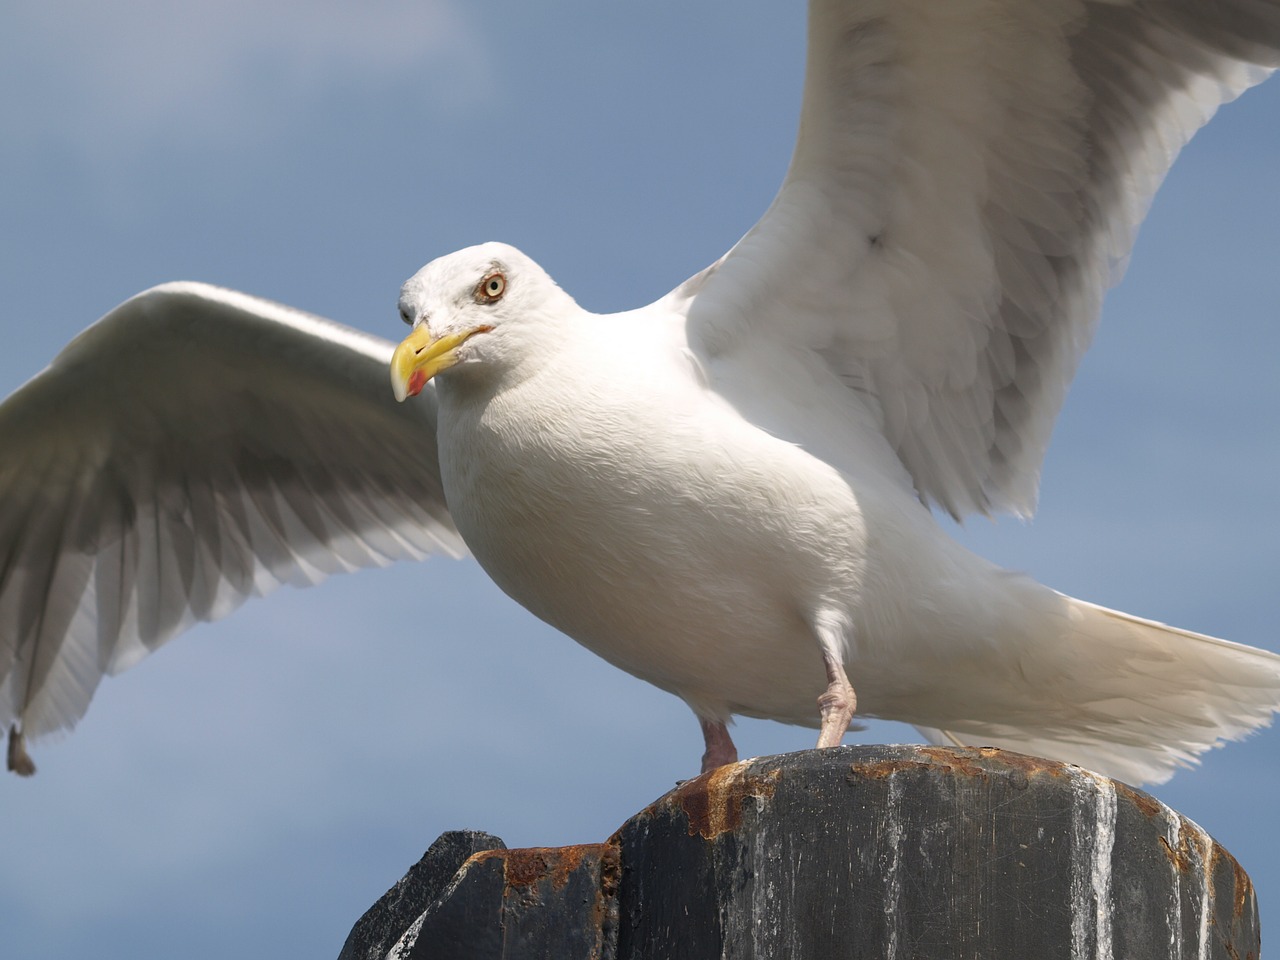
point(968, 179)
point(194, 447)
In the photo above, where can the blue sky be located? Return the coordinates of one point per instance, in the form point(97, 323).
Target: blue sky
point(255, 785)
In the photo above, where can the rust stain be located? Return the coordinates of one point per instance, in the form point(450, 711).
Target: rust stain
point(1182, 857)
point(610, 868)
point(1144, 803)
point(605, 908)
point(1031, 766)
point(524, 868)
point(884, 769)
point(1189, 854)
point(531, 865)
point(965, 761)
point(482, 856)
point(1243, 889)
point(1176, 857)
point(970, 762)
point(957, 760)
point(1216, 853)
point(712, 803)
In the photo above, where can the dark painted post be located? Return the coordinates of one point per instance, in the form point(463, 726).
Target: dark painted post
point(862, 852)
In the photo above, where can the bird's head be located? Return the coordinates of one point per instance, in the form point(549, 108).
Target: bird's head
point(486, 306)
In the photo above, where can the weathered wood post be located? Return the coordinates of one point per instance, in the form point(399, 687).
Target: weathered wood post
point(857, 852)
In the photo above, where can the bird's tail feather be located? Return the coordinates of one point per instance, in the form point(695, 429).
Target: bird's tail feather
point(1128, 697)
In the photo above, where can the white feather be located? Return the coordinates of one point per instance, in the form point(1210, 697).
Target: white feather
point(968, 179)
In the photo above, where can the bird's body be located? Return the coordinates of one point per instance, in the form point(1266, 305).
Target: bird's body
point(606, 484)
point(701, 508)
point(727, 493)
point(724, 541)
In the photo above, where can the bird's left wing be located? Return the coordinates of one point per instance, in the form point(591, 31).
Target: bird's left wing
point(194, 447)
point(967, 180)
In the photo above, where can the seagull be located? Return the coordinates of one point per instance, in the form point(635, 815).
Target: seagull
point(730, 493)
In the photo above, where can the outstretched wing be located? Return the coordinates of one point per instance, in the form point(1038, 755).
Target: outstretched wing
point(194, 447)
point(968, 180)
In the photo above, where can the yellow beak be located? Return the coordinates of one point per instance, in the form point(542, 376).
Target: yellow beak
point(420, 357)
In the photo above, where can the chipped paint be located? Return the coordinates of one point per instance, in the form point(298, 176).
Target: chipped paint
point(893, 869)
point(404, 946)
point(1189, 850)
point(1093, 837)
point(1171, 842)
point(766, 917)
point(1199, 852)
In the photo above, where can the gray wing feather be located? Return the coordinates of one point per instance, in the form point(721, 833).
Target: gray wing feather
point(193, 448)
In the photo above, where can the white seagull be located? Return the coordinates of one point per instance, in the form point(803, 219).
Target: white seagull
point(729, 492)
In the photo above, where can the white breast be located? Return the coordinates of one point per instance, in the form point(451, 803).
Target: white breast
point(618, 499)
point(640, 515)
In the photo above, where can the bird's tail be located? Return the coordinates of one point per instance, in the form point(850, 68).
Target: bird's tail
point(1127, 697)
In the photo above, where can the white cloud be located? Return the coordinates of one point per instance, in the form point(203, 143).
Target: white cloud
point(117, 78)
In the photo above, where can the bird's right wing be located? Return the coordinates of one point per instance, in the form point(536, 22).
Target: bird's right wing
point(194, 447)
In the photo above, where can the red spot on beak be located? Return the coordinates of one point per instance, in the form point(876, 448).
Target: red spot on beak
point(417, 380)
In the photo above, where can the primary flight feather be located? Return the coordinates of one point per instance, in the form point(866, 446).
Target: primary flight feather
point(728, 492)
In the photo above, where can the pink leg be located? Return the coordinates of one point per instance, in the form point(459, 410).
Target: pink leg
point(720, 749)
point(19, 761)
point(837, 704)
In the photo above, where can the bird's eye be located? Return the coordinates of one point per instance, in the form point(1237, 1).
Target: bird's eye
point(491, 288)
point(406, 316)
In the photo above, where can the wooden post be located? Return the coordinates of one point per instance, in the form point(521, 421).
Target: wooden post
point(917, 853)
